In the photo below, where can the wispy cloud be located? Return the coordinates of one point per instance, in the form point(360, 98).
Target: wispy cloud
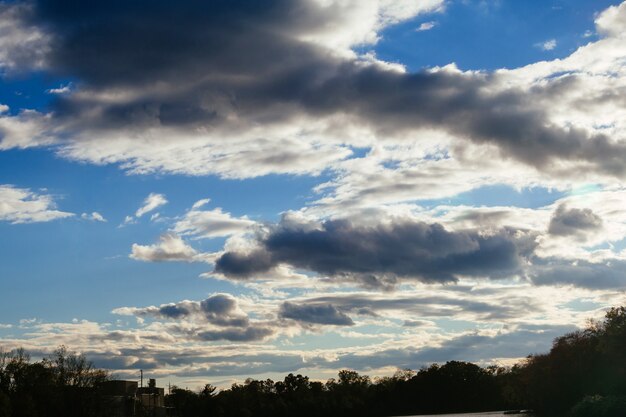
point(22, 205)
point(426, 26)
point(152, 202)
point(548, 45)
point(94, 216)
point(169, 248)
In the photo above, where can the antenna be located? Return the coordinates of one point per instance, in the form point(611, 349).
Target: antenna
point(141, 372)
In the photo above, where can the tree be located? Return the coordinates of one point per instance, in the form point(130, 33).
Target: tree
point(5, 405)
point(74, 370)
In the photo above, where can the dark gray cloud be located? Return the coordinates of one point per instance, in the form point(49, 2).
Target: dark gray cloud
point(567, 222)
point(601, 275)
point(249, 334)
point(430, 306)
point(222, 309)
point(487, 218)
point(174, 311)
point(427, 252)
point(325, 314)
point(218, 317)
point(202, 65)
point(218, 309)
point(416, 323)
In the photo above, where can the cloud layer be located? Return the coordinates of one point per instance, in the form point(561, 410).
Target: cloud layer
point(154, 98)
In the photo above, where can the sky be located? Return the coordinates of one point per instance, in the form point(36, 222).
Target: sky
point(211, 191)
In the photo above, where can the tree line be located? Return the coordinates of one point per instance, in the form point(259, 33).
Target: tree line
point(583, 375)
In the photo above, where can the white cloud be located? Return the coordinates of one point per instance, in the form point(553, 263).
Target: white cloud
point(152, 202)
point(548, 45)
point(22, 45)
point(210, 223)
point(612, 21)
point(169, 248)
point(27, 129)
point(63, 89)
point(426, 26)
point(94, 216)
point(21, 205)
point(355, 22)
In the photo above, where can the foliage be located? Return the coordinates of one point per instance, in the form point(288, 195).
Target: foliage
point(590, 363)
point(598, 406)
point(62, 385)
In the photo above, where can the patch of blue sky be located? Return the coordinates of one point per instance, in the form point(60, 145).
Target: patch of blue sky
point(7, 330)
point(500, 196)
point(359, 152)
point(487, 35)
point(92, 268)
point(581, 305)
point(601, 246)
point(89, 260)
point(585, 189)
point(30, 91)
point(619, 246)
point(115, 194)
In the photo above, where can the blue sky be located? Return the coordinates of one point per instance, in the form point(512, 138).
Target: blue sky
point(330, 184)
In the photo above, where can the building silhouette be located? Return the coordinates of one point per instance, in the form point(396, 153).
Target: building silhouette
point(127, 399)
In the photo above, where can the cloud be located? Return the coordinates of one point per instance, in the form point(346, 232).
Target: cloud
point(218, 317)
point(170, 248)
point(94, 216)
point(417, 323)
point(476, 347)
point(21, 205)
point(223, 309)
point(23, 44)
point(426, 26)
point(218, 309)
point(249, 334)
point(28, 129)
point(567, 222)
point(152, 202)
point(187, 104)
point(433, 305)
point(210, 223)
point(324, 314)
point(63, 89)
point(407, 249)
point(598, 275)
point(548, 45)
point(612, 21)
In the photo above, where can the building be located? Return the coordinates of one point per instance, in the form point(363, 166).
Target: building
point(152, 399)
point(127, 399)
